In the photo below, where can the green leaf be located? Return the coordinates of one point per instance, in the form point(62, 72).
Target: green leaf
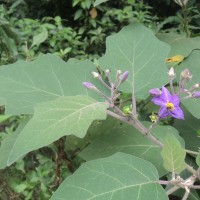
point(54, 119)
point(39, 38)
point(180, 45)
point(189, 131)
point(8, 143)
point(120, 176)
point(23, 84)
point(198, 160)
point(98, 2)
point(192, 63)
point(136, 49)
point(125, 138)
point(173, 155)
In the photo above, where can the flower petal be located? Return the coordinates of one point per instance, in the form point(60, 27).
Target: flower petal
point(177, 113)
point(175, 100)
point(158, 101)
point(163, 112)
point(166, 96)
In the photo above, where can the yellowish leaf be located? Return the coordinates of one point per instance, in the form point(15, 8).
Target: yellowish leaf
point(93, 13)
point(177, 58)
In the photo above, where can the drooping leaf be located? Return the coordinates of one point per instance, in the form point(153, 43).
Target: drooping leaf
point(173, 155)
point(23, 84)
point(98, 2)
point(120, 176)
point(180, 45)
point(8, 143)
point(54, 119)
point(189, 131)
point(124, 138)
point(136, 49)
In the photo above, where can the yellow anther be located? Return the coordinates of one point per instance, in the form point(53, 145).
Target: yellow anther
point(170, 106)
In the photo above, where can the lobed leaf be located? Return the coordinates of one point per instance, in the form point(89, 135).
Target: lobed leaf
point(24, 84)
point(120, 176)
point(136, 49)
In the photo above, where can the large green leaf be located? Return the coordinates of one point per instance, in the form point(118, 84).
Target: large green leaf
point(173, 155)
point(54, 119)
point(23, 84)
point(118, 177)
point(136, 49)
point(125, 138)
point(193, 64)
point(8, 142)
point(180, 45)
point(189, 129)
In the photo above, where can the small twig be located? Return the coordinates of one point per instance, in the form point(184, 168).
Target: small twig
point(172, 190)
point(191, 152)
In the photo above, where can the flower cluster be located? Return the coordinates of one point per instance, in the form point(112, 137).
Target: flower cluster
point(170, 103)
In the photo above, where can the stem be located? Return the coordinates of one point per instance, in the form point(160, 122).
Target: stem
point(195, 187)
point(191, 152)
point(187, 192)
point(171, 86)
point(162, 182)
point(184, 10)
point(101, 80)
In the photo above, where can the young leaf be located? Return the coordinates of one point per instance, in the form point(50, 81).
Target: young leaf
point(23, 84)
point(173, 155)
point(137, 50)
point(120, 176)
point(54, 119)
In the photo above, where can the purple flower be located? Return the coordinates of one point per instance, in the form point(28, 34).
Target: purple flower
point(155, 92)
point(169, 105)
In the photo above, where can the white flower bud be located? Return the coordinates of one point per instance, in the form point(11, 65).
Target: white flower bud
point(171, 73)
point(95, 74)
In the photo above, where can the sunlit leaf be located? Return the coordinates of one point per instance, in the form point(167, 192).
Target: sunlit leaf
point(54, 119)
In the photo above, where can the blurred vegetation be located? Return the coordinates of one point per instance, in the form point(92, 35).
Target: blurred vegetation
point(29, 28)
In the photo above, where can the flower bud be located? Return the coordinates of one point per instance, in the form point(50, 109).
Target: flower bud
point(195, 86)
point(185, 74)
point(171, 73)
point(89, 85)
point(118, 74)
point(107, 72)
point(95, 75)
point(196, 94)
point(124, 76)
point(155, 92)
